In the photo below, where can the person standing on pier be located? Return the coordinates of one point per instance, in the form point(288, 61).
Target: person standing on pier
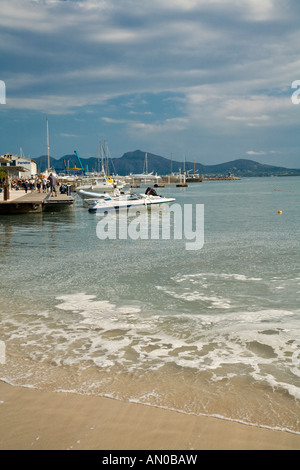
point(45, 182)
point(32, 184)
point(39, 184)
point(53, 182)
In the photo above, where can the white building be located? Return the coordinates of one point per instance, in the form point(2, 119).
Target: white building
point(19, 166)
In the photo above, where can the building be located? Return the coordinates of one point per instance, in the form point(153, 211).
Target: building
point(18, 166)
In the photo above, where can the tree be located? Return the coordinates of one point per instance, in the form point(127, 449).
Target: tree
point(3, 173)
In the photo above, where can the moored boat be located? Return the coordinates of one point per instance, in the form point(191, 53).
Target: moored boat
point(128, 200)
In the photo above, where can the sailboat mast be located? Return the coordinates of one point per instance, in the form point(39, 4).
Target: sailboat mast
point(48, 144)
point(106, 157)
point(101, 151)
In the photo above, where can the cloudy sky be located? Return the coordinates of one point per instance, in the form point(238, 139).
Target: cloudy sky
point(208, 80)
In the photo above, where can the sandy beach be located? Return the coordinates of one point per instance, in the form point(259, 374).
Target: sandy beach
point(38, 420)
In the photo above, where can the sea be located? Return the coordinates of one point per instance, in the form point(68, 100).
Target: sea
point(212, 331)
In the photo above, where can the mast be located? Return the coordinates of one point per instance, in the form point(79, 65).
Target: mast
point(106, 157)
point(102, 166)
point(48, 145)
point(145, 170)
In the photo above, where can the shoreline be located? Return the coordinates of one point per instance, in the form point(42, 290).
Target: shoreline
point(41, 420)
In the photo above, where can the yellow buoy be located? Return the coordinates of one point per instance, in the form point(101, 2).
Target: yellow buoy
point(279, 212)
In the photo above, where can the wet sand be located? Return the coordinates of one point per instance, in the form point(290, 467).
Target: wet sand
point(39, 420)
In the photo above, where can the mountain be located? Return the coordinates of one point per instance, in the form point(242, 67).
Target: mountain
point(134, 162)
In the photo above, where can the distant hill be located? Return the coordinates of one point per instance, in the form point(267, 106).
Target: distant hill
point(134, 162)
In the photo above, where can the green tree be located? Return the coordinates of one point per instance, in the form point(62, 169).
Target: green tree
point(3, 173)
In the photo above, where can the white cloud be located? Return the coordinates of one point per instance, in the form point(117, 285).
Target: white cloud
point(252, 152)
point(223, 75)
point(26, 15)
point(69, 136)
point(114, 35)
point(158, 127)
point(115, 121)
point(45, 104)
point(173, 125)
point(258, 153)
point(259, 9)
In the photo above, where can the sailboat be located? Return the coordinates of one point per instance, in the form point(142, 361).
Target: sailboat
point(100, 183)
point(49, 170)
point(144, 177)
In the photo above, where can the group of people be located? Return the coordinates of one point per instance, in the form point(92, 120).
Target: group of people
point(40, 184)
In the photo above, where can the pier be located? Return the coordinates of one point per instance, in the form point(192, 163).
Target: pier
point(33, 202)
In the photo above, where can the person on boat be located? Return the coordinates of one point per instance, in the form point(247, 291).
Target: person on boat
point(53, 182)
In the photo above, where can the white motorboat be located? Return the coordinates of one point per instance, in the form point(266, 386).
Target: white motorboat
point(90, 197)
point(128, 200)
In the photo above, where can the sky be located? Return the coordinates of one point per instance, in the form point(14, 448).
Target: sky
point(205, 80)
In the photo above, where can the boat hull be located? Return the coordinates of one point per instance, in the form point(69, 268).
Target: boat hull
point(116, 204)
point(90, 195)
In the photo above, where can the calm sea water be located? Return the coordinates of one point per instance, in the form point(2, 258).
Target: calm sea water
point(212, 331)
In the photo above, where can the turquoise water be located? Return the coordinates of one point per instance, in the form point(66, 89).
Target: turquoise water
point(213, 331)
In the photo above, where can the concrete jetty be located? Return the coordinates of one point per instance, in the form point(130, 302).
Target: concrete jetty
point(33, 202)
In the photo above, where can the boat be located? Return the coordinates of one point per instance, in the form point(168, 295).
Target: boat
point(45, 174)
point(89, 197)
point(122, 201)
point(135, 179)
point(99, 184)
